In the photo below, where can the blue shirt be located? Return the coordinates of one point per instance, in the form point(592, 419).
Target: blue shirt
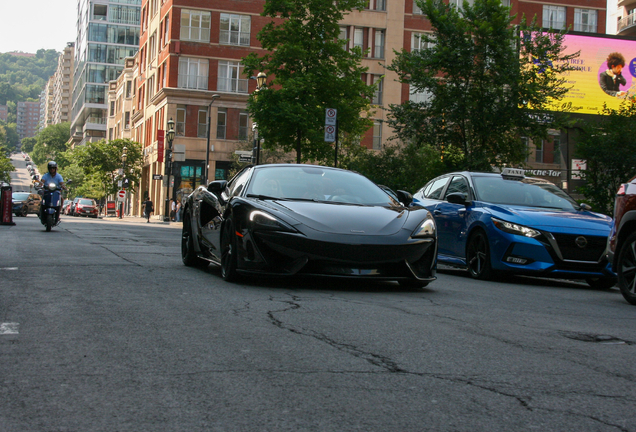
point(48, 178)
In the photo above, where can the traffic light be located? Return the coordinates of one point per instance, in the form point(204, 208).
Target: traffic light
point(125, 183)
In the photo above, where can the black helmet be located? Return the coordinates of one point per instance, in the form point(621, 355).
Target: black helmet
point(51, 165)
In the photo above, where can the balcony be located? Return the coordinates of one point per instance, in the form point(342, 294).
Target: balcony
point(627, 25)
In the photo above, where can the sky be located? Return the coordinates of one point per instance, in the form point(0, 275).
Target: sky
point(29, 25)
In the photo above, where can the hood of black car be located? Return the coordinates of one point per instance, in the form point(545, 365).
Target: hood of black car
point(346, 219)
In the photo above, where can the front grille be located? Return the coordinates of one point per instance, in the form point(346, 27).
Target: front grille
point(592, 251)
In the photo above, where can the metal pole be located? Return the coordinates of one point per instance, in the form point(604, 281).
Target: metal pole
point(166, 215)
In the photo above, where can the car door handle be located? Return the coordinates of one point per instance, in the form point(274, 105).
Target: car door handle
point(437, 212)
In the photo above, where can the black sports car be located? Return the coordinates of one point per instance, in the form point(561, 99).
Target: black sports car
point(308, 220)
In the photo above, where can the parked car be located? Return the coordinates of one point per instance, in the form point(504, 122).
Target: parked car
point(490, 223)
point(25, 203)
point(308, 220)
point(621, 246)
point(85, 207)
point(66, 206)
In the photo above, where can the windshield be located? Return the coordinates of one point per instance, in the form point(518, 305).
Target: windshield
point(528, 192)
point(86, 202)
point(317, 184)
point(18, 196)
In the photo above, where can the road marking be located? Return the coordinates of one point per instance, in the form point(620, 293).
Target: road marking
point(9, 268)
point(9, 328)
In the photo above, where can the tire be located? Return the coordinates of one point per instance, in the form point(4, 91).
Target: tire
point(25, 211)
point(602, 283)
point(478, 257)
point(627, 269)
point(229, 247)
point(49, 222)
point(188, 254)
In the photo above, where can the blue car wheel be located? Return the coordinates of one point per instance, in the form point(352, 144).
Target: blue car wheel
point(478, 257)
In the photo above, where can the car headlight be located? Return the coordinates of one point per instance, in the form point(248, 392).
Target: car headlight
point(426, 229)
point(513, 228)
point(266, 221)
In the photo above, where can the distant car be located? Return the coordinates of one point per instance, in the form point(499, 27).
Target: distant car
point(25, 203)
point(27, 158)
point(307, 220)
point(85, 207)
point(489, 223)
point(66, 207)
point(72, 207)
point(621, 246)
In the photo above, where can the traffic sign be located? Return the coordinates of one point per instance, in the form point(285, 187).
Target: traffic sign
point(330, 116)
point(121, 195)
point(157, 176)
point(330, 133)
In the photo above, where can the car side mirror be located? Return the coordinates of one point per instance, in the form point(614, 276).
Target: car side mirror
point(217, 186)
point(405, 197)
point(585, 207)
point(457, 198)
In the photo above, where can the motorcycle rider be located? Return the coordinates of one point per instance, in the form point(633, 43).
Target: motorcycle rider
point(52, 176)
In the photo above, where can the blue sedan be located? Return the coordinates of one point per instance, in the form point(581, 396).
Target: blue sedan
point(490, 223)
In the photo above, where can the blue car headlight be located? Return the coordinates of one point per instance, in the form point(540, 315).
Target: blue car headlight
point(513, 228)
point(426, 229)
point(265, 221)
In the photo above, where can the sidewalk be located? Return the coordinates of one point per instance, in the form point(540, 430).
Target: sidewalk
point(137, 219)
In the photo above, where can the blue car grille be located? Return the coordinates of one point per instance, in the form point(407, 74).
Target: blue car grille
point(570, 250)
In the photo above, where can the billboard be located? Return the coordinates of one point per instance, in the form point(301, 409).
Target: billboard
point(591, 83)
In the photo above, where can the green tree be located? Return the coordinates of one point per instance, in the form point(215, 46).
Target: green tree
point(27, 144)
point(609, 147)
point(489, 82)
point(51, 144)
point(309, 70)
point(6, 167)
point(101, 162)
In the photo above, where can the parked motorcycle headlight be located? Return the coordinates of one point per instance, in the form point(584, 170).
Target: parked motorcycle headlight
point(52, 186)
point(426, 229)
point(513, 228)
point(266, 221)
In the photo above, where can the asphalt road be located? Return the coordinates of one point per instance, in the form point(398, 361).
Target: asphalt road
point(102, 328)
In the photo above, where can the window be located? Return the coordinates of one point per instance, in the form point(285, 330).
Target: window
point(152, 47)
point(554, 17)
point(436, 188)
point(179, 127)
point(526, 143)
point(358, 38)
point(112, 108)
point(419, 43)
point(585, 20)
point(459, 4)
point(193, 73)
point(195, 25)
point(457, 185)
point(378, 52)
point(128, 89)
point(416, 9)
point(377, 97)
point(377, 135)
point(419, 96)
point(378, 5)
point(538, 152)
point(229, 77)
point(202, 130)
point(127, 120)
point(235, 29)
point(243, 126)
point(221, 123)
point(166, 29)
point(100, 12)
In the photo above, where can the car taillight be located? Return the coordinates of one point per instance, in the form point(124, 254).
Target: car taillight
point(622, 189)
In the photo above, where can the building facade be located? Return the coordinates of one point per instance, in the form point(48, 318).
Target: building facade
point(28, 119)
point(626, 18)
point(107, 33)
point(63, 85)
point(4, 112)
point(46, 104)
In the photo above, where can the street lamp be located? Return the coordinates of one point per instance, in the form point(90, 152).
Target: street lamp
point(207, 150)
point(261, 79)
point(169, 137)
point(124, 156)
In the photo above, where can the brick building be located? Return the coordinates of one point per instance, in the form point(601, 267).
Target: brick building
point(28, 118)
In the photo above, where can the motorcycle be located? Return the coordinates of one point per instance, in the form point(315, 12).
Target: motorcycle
point(51, 205)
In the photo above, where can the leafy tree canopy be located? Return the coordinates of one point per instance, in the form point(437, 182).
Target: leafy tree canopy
point(309, 69)
point(50, 144)
point(481, 75)
point(609, 146)
point(6, 167)
point(101, 162)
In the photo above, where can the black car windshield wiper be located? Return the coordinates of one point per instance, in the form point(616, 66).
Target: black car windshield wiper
point(265, 197)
